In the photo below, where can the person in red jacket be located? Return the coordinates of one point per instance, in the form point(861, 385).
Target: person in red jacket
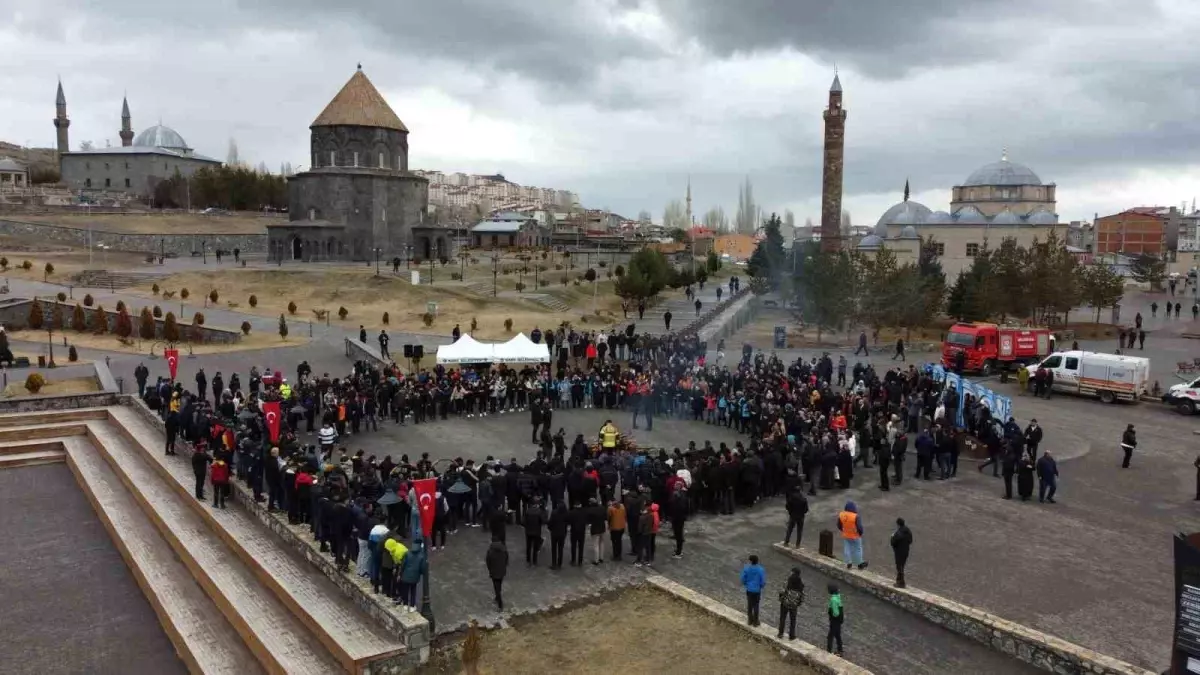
point(304, 483)
point(219, 475)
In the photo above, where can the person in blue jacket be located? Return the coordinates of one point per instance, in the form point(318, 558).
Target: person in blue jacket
point(754, 579)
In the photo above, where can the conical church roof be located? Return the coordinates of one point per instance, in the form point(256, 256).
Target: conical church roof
point(359, 103)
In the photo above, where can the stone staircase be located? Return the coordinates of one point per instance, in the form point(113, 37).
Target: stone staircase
point(231, 594)
point(115, 280)
point(483, 288)
point(550, 302)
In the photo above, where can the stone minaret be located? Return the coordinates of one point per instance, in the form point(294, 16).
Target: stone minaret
point(126, 124)
point(60, 120)
point(831, 181)
point(689, 202)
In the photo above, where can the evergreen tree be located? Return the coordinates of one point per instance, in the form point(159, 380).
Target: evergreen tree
point(78, 320)
point(1100, 287)
point(147, 328)
point(1149, 269)
point(767, 261)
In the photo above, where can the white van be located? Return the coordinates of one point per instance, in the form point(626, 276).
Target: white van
point(1184, 397)
point(1108, 377)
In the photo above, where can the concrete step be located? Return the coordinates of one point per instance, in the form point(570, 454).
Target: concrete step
point(19, 447)
point(276, 638)
point(53, 417)
point(352, 637)
point(41, 432)
point(33, 458)
point(204, 640)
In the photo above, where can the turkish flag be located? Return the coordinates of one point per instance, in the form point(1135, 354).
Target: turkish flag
point(271, 410)
point(426, 490)
point(172, 357)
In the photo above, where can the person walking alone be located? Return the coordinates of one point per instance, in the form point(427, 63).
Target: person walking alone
point(850, 523)
point(837, 616)
point(1128, 443)
point(899, 350)
point(680, 504)
point(790, 599)
point(797, 509)
point(901, 542)
point(1047, 471)
point(497, 566)
point(754, 579)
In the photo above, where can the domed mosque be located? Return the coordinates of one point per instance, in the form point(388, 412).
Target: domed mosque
point(136, 166)
point(998, 200)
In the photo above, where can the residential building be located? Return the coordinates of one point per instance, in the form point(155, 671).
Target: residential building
point(1136, 231)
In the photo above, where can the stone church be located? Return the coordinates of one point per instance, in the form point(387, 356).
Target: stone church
point(358, 200)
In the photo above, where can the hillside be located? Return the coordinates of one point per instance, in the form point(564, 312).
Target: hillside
point(38, 160)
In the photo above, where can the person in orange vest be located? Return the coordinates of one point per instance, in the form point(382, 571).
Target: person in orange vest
point(850, 523)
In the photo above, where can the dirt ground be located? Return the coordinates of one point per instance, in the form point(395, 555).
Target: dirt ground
point(155, 223)
point(67, 262)
point(74, 385)
point(366, 297)
point(639, 631)
point(109, 342)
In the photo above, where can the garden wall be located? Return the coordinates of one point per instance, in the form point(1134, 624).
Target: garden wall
point(181, 245)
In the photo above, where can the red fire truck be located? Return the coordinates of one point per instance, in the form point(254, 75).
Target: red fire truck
point(989, 347)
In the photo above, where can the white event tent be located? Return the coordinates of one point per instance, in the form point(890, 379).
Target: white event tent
point(467, 349)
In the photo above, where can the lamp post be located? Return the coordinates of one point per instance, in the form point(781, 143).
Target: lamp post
point(377, 252)
point(50, 339)
point(426, 605)
point(431, 271)
point(495, 271)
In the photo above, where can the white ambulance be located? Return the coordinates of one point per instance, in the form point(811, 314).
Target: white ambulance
point(1109, 377)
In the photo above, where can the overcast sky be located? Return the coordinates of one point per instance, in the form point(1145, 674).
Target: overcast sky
point(620, 100)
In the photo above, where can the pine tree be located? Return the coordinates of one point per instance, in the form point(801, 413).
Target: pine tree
point(78, 319)
point(36, 318)
point(147, 328)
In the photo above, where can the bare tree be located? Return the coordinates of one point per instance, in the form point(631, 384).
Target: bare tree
point(715, 219)
point(746, 221)
point(675, 215)
point(789, 220)
point(231, 158)
point(87, 145)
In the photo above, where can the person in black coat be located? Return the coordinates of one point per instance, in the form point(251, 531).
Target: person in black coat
point(535, 519)
point(218, 385)
point(797, 509)
point(1009, 466)
point(536, 414)
point(1033, 437)
point(202, 385)
point(557, 525)
point(172, 431)
point(577, 522)
point(680, 503)
point(200, 461)
point(1025, 479)
point(496, 560)
point(1128, 443)
point(901, 542)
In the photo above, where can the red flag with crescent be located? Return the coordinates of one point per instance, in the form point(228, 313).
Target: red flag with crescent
point(172, 357)
point(426, 490)
point(271, 410)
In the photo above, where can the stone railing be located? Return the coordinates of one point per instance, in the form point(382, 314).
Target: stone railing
point(1039, 649)
point(410, 628)
point(181, 245)
point(106, 395)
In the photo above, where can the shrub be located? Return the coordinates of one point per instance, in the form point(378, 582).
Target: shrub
point(88, 300)
point(577, 282)
point(455, 276)
point(245, 328)
point(26, 265)
point(155, 289)
point(99, 320)
point(508, 325)
point(170, 328)
point(545, 254)
point(121, 306)
point(157, 311)
point(36, 318)
point(124, 327)
point(253, 301)
point(603, 263)
point(34, 383)
point(474, 324)
point(78, 319)
point(4, 264)
point(146, 326)
point(544, 283)
point(283, 327)
point(343, 313)
point(292, 308)
point(386, 318)
point(608, 274)
point(620, 271)
point(565, 280)
point(558, 267)
point(197, 319)
point(213, 296)
point(56, 317)
point(590, 275)
point(427, 318)
point(183, 294)
point(520, 286)
point(49, 269)
point(62, 297)
point(72, 355)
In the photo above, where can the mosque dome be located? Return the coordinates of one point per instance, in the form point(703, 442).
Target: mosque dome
point(909, 232)
point(871, 241)
point(969, 215)
point(1003, 172)
point(902, 213)
point(1042, 217)
point(939, 217)
point(1006, 217)
point(160, 136)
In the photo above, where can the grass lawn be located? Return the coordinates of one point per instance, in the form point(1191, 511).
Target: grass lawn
point(638, 631)
point(73, 385)
point(367, 297)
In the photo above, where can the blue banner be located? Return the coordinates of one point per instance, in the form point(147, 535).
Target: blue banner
point(1001, 406)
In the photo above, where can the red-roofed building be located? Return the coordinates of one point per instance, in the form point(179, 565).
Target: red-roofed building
point(1135, 231)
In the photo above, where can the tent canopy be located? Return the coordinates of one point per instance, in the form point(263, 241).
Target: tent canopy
point(465, 350)
point(521, 349)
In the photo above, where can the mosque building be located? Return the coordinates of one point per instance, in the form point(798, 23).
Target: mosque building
point(997, 201)
point(136, 166)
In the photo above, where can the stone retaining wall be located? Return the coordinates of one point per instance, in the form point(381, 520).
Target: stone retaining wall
point(814, 657)
point(357, 351)
point(412, 629)
point(181, 245)
point(14, 315)
point(739, 313)
point(1039, 649)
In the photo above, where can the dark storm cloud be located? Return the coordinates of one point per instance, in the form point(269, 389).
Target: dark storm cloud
point(885, 38)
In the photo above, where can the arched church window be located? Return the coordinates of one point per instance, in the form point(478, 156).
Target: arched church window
point(356, 158)
point(382, 165)
point(332, 158)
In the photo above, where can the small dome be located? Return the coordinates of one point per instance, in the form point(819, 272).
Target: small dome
point(969, 215)
point(1006, 217)
point(1042, 217)
point(1003, 172)
point(939, 217)
point(909, 232)
point(10, 164)
point(903, 213)
point(159, 136)
point(871, 241)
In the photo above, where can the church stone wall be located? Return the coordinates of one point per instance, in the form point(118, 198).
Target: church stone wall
point(376, 208)
point(366, 147)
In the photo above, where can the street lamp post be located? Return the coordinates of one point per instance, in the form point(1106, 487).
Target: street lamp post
point(431, 271)
point(377, 252)
point(495, 271)
point(50, 339)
